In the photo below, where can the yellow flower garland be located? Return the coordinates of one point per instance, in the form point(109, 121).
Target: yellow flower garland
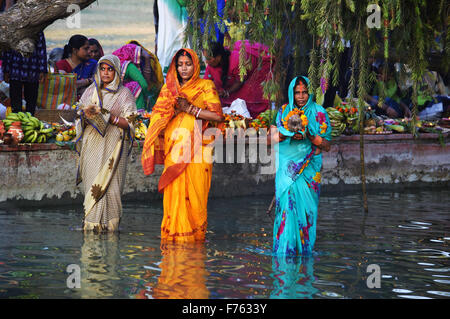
point(323, 128)
point(295, 111)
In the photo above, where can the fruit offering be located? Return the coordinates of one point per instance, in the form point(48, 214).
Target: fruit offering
point(65, 133)
point(140, 130)
point(34, 130)
point(264, 119)
point(337, 121)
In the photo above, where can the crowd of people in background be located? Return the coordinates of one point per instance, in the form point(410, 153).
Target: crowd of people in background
point(139, 68)
point(142, 71)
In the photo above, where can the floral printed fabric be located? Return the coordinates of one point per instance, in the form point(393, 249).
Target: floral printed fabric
point(26, 69)
point(297, 183)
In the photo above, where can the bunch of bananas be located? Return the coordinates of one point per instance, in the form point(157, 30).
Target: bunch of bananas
point(33, 129)
point(337, 120)
point(140, 131)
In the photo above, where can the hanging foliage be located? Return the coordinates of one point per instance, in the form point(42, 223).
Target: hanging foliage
point(316, 33)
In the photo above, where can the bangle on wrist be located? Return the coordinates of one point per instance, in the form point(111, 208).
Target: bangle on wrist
point(116, 120)
point(198, 113)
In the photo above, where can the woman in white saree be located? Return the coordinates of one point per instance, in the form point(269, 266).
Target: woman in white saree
point(105, 131)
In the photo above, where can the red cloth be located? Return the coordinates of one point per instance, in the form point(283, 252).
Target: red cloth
point(251, 91)
point(63, 65)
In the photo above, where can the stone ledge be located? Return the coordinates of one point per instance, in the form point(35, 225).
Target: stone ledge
point(44, 173)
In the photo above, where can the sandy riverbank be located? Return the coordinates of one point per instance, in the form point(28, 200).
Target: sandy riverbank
point(112, 22)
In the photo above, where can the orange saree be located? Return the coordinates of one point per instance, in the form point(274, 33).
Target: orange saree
point(186, 178)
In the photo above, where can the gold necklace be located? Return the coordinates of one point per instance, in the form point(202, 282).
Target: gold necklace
point(72, 64)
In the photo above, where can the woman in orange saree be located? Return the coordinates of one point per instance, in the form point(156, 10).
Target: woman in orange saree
point(187, 105)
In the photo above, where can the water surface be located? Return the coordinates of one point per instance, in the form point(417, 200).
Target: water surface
point(405, 234)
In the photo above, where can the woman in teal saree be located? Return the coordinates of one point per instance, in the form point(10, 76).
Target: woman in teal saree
point(304, 131)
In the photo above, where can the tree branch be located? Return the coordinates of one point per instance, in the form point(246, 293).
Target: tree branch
point(20, 25)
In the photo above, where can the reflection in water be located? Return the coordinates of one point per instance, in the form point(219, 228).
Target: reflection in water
point(293, 277)
point(183, 274)
point(406, 234)
point(99, 265)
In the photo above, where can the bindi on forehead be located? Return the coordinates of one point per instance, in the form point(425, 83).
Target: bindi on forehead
point(105, 66)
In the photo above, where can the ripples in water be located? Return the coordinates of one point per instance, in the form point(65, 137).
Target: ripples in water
point(405, 234)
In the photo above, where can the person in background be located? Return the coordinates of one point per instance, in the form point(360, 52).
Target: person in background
point(1, 70)
point(394, 105)
point(24, 74)
point(6, 4)
point(214, 30)
point(137, 75)
point(223, 69)
point(156, 21)
point(95, 49)
point(54, 56)
point(5, 101)
point(432, 90)
point(76, 59)
point(170, 26)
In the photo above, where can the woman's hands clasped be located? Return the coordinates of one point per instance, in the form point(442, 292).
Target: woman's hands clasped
point(182, 105)
point(91, 110)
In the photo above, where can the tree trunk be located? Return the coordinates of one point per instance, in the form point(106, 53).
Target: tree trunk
point(23, 21)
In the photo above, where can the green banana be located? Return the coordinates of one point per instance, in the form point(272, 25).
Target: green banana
point(13, 116)
point(22, 116)
point(397, 128)
point(47, 130)
point(27, 127)
point(41, 138)
point(26, 121)
point(28, 133)
point(29, 123)
point(36, 122)
point(335, 123)
point(35, 135)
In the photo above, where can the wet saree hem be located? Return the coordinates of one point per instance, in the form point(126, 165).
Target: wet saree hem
point(196, 234)
point(112, 225)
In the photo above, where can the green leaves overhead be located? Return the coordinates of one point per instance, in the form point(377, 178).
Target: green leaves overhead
point(316, 32)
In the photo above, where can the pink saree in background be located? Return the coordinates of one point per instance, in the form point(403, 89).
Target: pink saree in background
point(251, 91)
point(129, 53)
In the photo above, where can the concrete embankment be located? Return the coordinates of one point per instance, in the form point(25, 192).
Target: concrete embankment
point(44, 174)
